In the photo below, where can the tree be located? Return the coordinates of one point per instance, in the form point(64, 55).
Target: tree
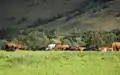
point(66, 41)
point(79, 41)
point(34, 40)
point(117, 33)
point(109, 38)
point(93, 39)
point(8, 33)
point(2, 44)
point(52, 33)
point(54, 41)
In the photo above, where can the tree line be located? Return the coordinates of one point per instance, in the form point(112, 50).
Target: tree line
point(37, 39)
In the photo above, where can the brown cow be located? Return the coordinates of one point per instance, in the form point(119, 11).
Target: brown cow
point(61, 47)
point(76, 48)
point(10, 46)
point(116, 46)
point(73, 48)
point(13, 46)
point(20, 46)
point(105, 48)
point(81, 48)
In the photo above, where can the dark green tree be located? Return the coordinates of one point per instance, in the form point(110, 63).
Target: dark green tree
point(66, 41)
point(34, 40)
point(109, 37)
point(93, 39)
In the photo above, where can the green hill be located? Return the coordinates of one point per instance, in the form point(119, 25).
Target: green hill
point(60, 14)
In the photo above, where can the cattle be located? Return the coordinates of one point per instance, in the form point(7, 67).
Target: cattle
point(59, 46)
point(20, 46)
point(76, 48)
point(73, 48)
point(9, 46)
point(82, 48)
point(13, 46)
point(105, 49)
point(116, 46)
point(50, 47)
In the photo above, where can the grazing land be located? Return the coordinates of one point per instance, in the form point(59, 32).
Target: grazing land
point(59, 63)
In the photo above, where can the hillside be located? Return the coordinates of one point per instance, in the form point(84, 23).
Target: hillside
point(60, 14)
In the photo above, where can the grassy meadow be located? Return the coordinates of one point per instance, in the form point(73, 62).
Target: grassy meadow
point(59, 63)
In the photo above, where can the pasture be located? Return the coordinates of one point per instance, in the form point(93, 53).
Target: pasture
point(59, 63)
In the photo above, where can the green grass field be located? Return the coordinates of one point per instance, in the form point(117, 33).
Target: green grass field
point(59, 63)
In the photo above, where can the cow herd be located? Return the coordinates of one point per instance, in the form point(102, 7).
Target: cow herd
point(115, 46)
point(65, 47)
point(13, 46)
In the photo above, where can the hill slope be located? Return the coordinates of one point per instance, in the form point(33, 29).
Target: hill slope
point(60, 14)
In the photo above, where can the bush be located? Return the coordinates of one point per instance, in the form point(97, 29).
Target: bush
point(2, 44)
point(66, 41)
point(34, 40)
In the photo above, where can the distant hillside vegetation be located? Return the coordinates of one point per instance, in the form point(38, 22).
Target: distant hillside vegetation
point(62, 15)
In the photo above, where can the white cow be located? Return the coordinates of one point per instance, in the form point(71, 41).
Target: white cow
point(50, 47)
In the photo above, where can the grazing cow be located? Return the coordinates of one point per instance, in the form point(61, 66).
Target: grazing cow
point(105, 49)
point(81, 48)
point(61, 47)
point(116, 46)
point(73, 48)
point(50, 47)
point(12, 46)
point(20, 46)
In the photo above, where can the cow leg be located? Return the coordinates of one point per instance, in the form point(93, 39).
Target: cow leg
point(112, 49)
point(119, 49)
point(64, 49)
point(105, 50)
point(8, 49)
point(81, 51)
